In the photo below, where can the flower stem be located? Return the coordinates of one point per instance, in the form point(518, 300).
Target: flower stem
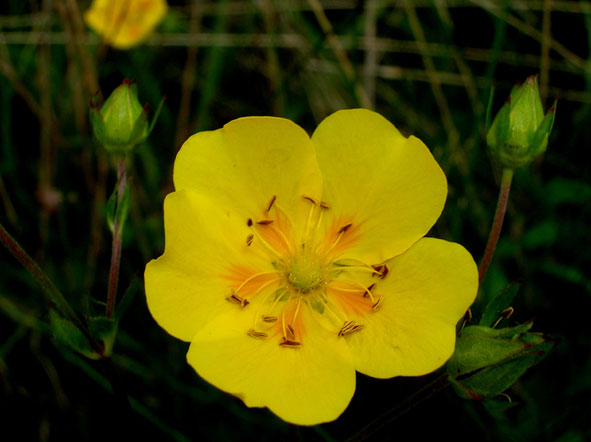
point(418, 397)
point(495, 230)
point(52, 292)
point(117, 236)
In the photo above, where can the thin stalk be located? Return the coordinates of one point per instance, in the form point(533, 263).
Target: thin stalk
point(50, 290)
point(117, 236)
point(418, 397)
point(495, 230)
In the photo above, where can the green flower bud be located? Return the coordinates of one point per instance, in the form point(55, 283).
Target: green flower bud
point(487, 361)
point(121, 122)
point(519, 132)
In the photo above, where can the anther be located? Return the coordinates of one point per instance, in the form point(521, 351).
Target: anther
point(256, 334)
point(378, 304)
point(269, 318)
point(291, 332)
point(324, 205)
point(249, 239)
point(381, 270)
point(349, 327)
point(265, 222)
point(345, 228)
point(309, 198)
point(368, 290)
point(235, 299)
point(249, 222)
point(290, 343)
point(273, 198)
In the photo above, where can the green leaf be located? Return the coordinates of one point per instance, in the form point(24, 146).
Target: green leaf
point(498, 303)
point(104, 330)
point(68, 334)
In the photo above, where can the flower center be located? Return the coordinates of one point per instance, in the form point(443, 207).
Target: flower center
point(306, 271)
point(307, 274)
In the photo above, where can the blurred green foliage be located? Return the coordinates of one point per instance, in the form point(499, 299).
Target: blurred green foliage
point(425, 65)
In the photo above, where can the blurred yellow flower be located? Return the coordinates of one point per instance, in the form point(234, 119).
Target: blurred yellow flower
point(125, 23)
point(291, 262)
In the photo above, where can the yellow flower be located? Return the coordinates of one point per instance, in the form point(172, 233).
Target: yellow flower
point(125, 23)
point(291, 262)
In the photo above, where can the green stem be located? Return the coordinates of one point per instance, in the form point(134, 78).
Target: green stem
point(495, 230)
point(117, 236)
point(418, 397)
point(52, 292)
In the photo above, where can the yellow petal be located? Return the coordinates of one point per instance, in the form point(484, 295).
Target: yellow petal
point(307, 385)
point(426, 292)
point(188, 284)
point(248, 162)
point(124, 24)
point(387, 186)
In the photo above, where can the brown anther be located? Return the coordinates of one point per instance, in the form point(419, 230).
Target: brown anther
point(249, 239)
point(265, 222)
point(235, 299)
point(288, 343)
point(256, 334)
point(368, 290)
point(324, 205)
point(378, 304)
point(249, 222)
point(381, 270)
point(290, 332)
point(273, 198)
point(269, 318)
point(309, 198)
point(345, 228)
point(348, 328)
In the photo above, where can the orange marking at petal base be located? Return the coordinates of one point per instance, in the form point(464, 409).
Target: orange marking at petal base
point(352, 303)
point(344, 226)
point(276, 232)
point(237, 274)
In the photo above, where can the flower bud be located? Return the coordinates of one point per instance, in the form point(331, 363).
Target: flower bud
point(121, 122)
point(519, 132)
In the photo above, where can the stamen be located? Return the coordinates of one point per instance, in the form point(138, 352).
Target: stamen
point(291, 332)
point(324, 205)
point(273, 198)
point(340, 233)
point(235, 299)
point(269, 318)
point(366, 290)
point(345, 228)
point(382, 270)
point(256, 334)
point(268, 246)
point(249, 222)
point(251, 277)
point(309, 198)
point(289, 343)
point(363, 268)
point(265, 222)
point(249, 239)
point(378, 304)
point(349, 327)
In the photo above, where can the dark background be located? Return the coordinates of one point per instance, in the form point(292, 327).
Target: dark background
point(427, 66)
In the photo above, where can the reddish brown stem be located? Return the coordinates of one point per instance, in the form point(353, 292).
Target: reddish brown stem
point(117, 236)
point(495, 230)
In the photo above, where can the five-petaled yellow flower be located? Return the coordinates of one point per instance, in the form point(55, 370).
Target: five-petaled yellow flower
point(291, 262)
point(125, 23)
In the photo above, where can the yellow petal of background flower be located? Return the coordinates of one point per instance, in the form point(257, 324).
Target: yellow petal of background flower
point(427, 291)
point(248, 161)
point(306, 386)
point(124, 24)
point(389, 185)
point(185, 287)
